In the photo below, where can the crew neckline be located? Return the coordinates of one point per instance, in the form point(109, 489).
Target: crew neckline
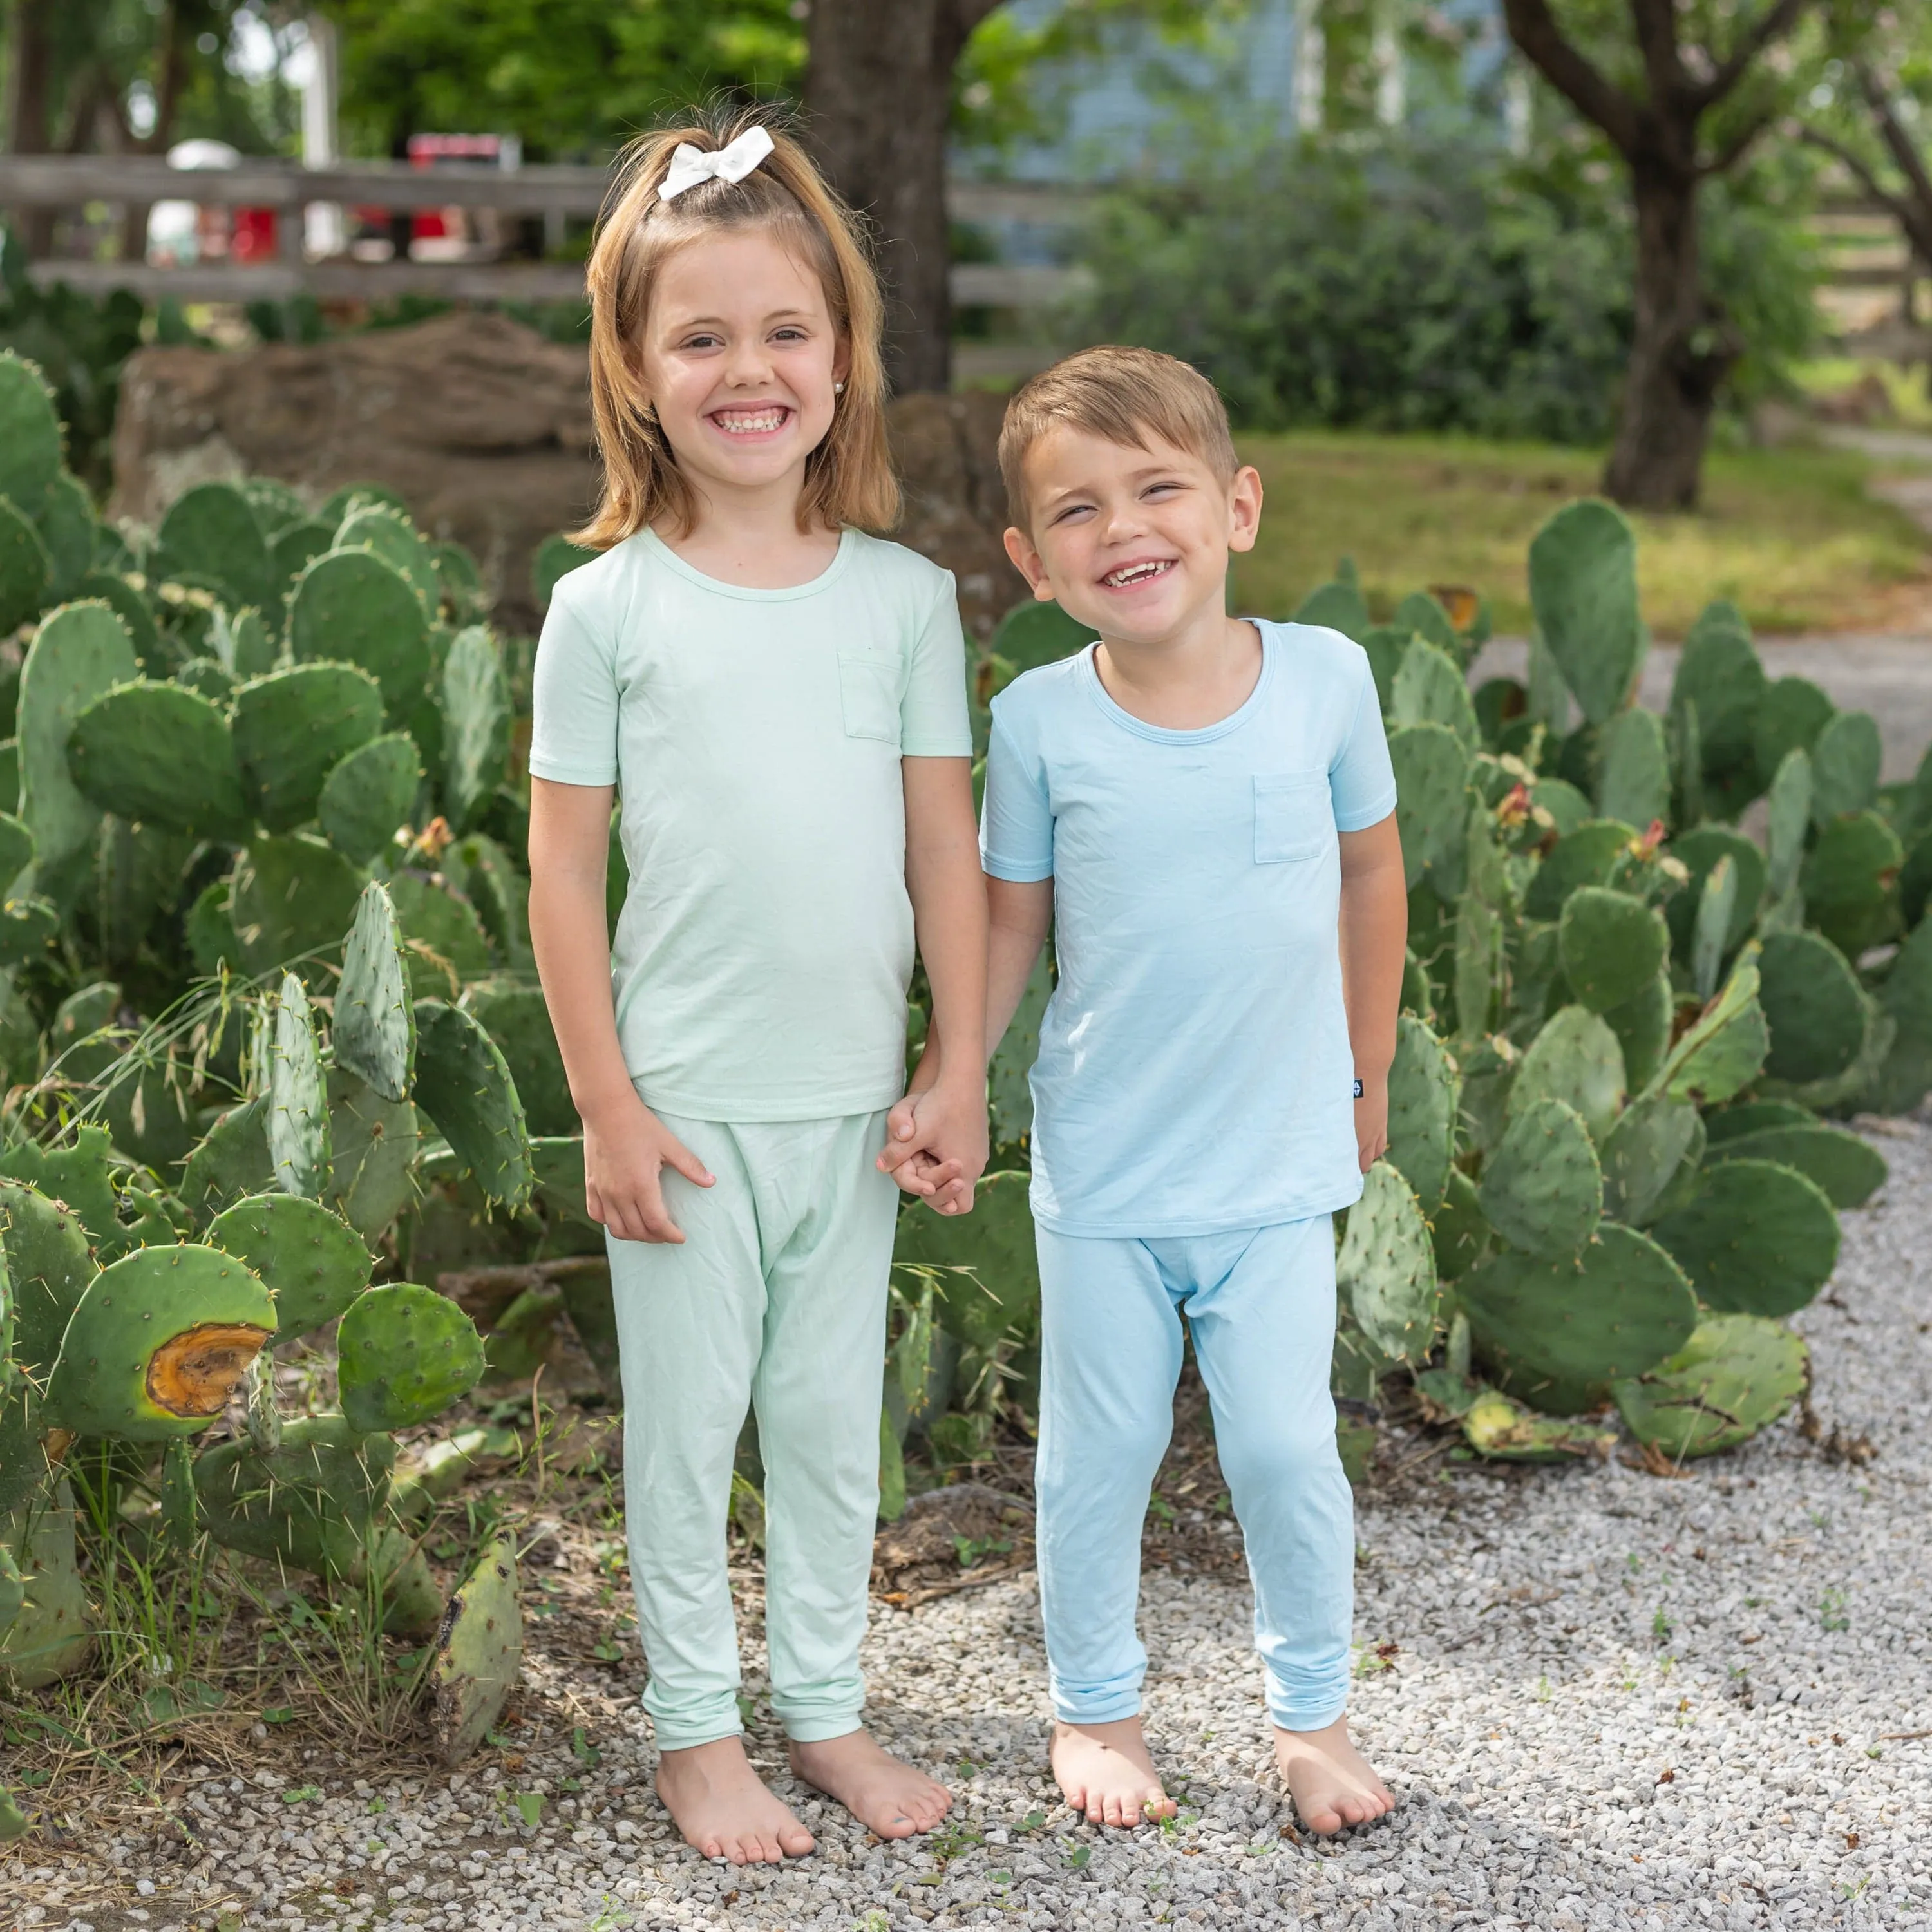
point(1169, 734)
point(848, 540)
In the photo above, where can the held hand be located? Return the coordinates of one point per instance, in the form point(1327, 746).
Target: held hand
point(1372, 1121)
point(936, 1145)
point(624, 1161)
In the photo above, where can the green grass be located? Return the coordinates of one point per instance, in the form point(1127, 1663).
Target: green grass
point(1789, 534)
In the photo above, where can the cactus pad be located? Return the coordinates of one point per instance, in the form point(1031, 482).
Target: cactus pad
point(1738, 1374)
point(291, 898)
point(1576, 1058)
point(1813, 1006)
point(1633, 780)
point(48, 1270)
point(30, 434)
point(1337, 606)
point(374, 1033)
point(298, 1117)
point(79, 652)
point(311, 1260)
point(1495, 1427)
point(373, 1145)
point(513, 1013)
point(1789, 716)
point(1648, 1145)
point(48, 1637)
point(26, 570)
point(1723, 1051)
point(1755, 1238)
point(557, 556)
point(160, 754)
point(210, 535)
point(366, 796)
point(405, 1353)
point(160, 1343)
point(476, 725)
point(293, 727)
point(1849, 1170)
point(1000, 1293)
point(464, 1086)
point(441, 927)
point(478, 1651)
point(351, 608)
point(1700, 850)
point(1849, 877)
point(388, 533)
point(1619, 1310)
point(1429, 688)
point(1845, 761)
point(1586, 857)
point(1583, 585)
point(1431, 771)
point(1542, 1189)
point(1612, 946)
point(1459, 1233)
point(1423, 1094)
point(1386, 1267)
point(310, 1502)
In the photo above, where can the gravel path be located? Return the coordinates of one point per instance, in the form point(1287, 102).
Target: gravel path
point(1605, 1699)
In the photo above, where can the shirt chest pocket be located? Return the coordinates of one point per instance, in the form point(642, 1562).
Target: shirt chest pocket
point(1295, 818)
point(868, 692)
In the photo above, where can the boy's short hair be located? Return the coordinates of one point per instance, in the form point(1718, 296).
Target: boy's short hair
point(1122, 395)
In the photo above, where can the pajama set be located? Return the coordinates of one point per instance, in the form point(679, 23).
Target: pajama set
point(1193, 1132)
point(759, 971)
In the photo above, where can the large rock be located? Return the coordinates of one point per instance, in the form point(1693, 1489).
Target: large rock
point(481, 425)
point(484, 428)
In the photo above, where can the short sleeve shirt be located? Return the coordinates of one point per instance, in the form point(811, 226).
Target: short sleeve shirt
point(761, 962)
point(1194, 1075)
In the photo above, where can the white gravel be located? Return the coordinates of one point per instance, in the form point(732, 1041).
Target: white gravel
point(1615, 1701)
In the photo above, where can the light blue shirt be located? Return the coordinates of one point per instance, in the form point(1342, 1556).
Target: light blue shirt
point(1195, 1075)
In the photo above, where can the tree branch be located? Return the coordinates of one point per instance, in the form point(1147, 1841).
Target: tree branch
point(1734, 151)
point(1777, 20)
point(1654, 22)
point(1573, 75)
point(1917, 229)
point(1898, 143)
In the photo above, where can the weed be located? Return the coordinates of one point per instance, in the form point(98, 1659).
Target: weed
point(972, 1550)
point(1831, 1610)
point(1077, 1856)
point(1660, 1626)
point(1543, 1692)
point(1161, 1510)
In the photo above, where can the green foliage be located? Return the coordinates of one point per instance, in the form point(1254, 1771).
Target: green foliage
point(374, 1034)
point(292, 727)
point(477, 1653)
point(463, 1084)
point(986, 1274)
point(1386, 1267)
point(349, 606)
point(311, 1261)
point(1755, 1238)
point(366, 798)
point(1737, 1374)
point(161, 753)
point(404, 1354)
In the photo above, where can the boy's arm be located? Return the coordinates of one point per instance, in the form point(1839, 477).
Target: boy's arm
point(1374, 932)
point(625, 1145)
point(937, 1146)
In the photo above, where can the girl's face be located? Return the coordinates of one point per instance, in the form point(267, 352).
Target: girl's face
point(739, 356)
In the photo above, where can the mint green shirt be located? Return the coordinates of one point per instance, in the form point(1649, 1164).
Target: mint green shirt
point(760, 963)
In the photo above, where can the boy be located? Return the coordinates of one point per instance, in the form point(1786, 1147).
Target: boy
point(1204, 807)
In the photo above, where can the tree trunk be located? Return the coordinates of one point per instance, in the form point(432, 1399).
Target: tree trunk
point(29, 105)
point(1682, 347)
point(878, 90)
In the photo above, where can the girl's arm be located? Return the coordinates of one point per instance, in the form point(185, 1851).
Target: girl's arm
point(625, 1145)
point(1374, 932)
point(937, 1143)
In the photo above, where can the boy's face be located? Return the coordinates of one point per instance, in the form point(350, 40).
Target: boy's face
point(1133, 542)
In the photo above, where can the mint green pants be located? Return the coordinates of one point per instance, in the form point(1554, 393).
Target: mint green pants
point(776, 1301)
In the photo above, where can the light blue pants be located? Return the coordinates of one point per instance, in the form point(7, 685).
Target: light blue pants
point(1260, 1306)
point(777, 1300)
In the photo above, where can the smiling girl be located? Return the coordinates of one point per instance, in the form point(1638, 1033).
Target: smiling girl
point(777, 700)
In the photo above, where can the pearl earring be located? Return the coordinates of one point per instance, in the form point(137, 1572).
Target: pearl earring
point(838, 388)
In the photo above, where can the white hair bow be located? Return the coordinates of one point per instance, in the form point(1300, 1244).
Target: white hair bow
point(689, 166)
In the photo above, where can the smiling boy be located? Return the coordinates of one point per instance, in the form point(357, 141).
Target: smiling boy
point(1204, 807)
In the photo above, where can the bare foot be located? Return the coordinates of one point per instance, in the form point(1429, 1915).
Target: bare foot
point(1331, 1783)
point(886, 1796)
point(1107, 1772)
point(721, 1806)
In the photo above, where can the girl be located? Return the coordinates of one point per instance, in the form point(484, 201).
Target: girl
point(778, 701)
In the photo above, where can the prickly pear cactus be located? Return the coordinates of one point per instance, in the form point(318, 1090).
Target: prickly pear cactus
point(987, 1272)
point(310, 1259)
point(404, 1354)
point(1542, 1189)
point(159, 1344)
point(1736, 1375)
point(1386, 1267)
point(478, 1650)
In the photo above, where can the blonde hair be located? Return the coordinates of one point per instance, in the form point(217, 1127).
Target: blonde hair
point(848, 477)
point(1121, 395)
